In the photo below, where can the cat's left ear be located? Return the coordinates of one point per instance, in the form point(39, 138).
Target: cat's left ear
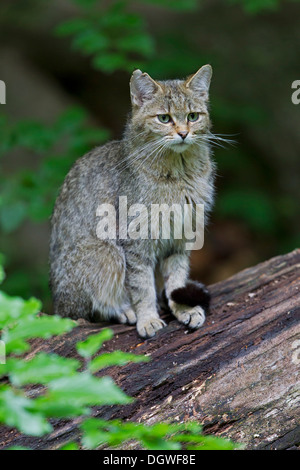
point(200, 81)
point(142, 88)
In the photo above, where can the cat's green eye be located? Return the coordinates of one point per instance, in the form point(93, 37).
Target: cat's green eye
point(164, 118)
point(192, 117)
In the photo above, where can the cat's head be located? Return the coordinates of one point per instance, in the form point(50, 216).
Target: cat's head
point(171, 113)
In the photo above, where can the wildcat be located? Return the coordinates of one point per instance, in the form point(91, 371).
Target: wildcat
point(163, 157)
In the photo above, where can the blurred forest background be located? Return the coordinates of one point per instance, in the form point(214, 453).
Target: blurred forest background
point(67, 64)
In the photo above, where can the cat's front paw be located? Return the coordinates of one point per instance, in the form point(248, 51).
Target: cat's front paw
point(147, 327)
point(193, 317)
point(127, 316)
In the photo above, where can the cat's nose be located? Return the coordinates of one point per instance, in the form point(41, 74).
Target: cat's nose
point(183, 134)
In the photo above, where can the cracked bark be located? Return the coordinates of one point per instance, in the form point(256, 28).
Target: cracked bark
point(237, 375)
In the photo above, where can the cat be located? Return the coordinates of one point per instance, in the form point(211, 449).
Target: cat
point(163, 157)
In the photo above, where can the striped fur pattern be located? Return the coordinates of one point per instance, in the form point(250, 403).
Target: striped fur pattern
point(154, 163)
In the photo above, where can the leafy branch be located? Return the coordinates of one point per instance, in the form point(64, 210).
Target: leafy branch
point(68, 388)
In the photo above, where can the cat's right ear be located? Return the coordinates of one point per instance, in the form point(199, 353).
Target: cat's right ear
point(200, 81)
point(142, 88)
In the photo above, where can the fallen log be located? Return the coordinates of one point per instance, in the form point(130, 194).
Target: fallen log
point(237, 375)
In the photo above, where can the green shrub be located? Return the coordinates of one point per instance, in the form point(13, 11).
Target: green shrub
point(70, 387)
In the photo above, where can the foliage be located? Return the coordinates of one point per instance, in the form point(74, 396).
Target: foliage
point(113, 37)
point(116, 39)
point(68, 390)
point(97, 432)
point(31, 194)
point(255, 6)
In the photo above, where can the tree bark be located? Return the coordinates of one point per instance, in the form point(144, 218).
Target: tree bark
point(237, 375)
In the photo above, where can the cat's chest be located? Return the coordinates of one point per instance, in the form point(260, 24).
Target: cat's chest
point(168, 191)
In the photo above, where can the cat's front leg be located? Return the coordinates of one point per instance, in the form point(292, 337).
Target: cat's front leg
point(187, 300)
point(141, 288)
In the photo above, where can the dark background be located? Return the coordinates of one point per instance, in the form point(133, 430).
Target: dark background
point(67, 64)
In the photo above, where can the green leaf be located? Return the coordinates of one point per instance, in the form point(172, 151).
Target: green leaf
point(18, 448)
point(41, 369)
point(36, 327)
point(93, 343)
point(160, 436)
point(86, 3)
point(117, 19)
point(214, 443)
point(31, 306)
point(85, 389)
point(97, 432)
point(60, 407)
point(72, 26)
point(256, 6)
point(13, 308)
point(109, 62)
point(18, 411)
point(34, 135)
point(90, 41)
point(70, 446)
point(180, 5)
point(72, 119)
point(159, 444)
point(114, 358)
point(140, 43)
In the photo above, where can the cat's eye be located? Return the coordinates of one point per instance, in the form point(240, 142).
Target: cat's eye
point(192, 117)
point(164, 118)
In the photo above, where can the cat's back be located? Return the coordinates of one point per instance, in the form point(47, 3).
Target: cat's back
point(91, 181)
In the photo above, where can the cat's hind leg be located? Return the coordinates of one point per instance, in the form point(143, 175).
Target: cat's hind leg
point(89, 283)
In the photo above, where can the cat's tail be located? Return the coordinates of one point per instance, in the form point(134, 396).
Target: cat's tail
point(192, 294)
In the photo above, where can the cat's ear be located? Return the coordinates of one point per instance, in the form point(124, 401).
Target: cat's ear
point(142, 87)
point(200, 81)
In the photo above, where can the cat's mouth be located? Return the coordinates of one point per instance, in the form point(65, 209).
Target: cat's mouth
point(180, 147)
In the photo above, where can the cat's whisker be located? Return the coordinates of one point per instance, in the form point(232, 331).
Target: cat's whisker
point(123, 164)
point(164, 147)
point(161, 145)
point(214, 140)
point(224, 135)
point(140, 154)
point(157, 149)
point(215, 144)
point(221, 138)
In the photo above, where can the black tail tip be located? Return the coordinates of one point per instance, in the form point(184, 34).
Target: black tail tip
point(192, 294)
